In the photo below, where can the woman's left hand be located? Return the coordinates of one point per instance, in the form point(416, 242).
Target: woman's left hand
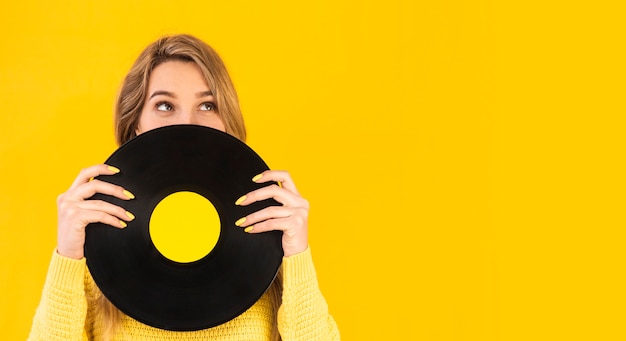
point(291, 217)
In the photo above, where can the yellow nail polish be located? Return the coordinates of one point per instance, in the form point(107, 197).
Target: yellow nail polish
point(129, 194)
point(123, 223)
point(240, 221)
point(113, 169)
point(257, 177)
point(249, 228)
point(130, 215)
point(240, 200)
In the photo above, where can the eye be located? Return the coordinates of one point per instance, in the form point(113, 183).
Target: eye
point(164, 106)
point(207, 106)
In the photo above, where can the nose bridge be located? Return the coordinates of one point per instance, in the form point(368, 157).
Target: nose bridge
point(187, 116)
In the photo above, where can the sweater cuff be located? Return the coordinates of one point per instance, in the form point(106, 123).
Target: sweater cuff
point(66, 272)
point(299, 268)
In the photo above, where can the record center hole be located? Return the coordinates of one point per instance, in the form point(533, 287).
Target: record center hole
point(184, 227)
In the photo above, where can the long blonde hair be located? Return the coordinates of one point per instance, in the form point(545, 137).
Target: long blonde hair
point(183, 47)
point(129, 105)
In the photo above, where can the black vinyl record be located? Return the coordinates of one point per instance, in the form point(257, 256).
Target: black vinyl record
point(183, 296)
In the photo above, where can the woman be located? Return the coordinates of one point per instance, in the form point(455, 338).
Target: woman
point(179, 80)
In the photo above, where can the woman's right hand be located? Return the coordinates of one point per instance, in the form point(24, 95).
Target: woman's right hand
point(75, 212)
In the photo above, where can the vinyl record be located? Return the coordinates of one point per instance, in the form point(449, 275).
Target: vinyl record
point(136, 276)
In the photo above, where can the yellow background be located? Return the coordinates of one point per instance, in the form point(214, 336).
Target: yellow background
point(464, 159)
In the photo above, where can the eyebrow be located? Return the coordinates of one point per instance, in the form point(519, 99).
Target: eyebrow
point(171, 94)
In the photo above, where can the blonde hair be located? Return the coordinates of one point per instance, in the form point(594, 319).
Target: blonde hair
point(182, 47)
point(129, 105)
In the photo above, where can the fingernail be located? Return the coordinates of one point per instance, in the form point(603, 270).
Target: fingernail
point(113, 169)
point(129, 194)
point(240, 200)
point(130, 215)
point(257, 177)
point(240, 221)
point(123, 223)
point(249, 228)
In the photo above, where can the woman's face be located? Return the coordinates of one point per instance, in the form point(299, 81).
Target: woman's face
point(178, 94)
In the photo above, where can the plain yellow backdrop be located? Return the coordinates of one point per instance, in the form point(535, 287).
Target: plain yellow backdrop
point(464, 159)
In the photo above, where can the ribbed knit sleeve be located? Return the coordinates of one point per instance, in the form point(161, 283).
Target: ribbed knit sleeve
point(63, 306)
point(303, 314)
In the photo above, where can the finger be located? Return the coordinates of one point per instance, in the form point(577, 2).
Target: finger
point(272, 212)
point(87, 190)
point(281, 195)
point(108, 208)
point(282, 177)
point(91, 172)
point(289, 225)
point(269, 225)
point(90, 217)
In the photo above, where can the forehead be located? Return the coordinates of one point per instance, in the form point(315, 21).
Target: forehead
point(177, 75)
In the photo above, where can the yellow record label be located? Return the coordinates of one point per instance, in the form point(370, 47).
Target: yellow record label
point(184, 227)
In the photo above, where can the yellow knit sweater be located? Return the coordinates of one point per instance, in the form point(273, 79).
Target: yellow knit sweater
point(64, 312)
